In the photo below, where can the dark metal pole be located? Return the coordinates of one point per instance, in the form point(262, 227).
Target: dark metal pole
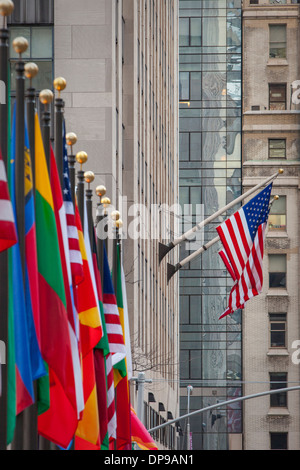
point(4, 48)
point(89, 178)
point(30, 414)
point(31, 71)
point(20, 45)
point(46, 98)
point(81, 157)
point(59, 85)
point(100, 227)
point(71, 139)
point(115, 216)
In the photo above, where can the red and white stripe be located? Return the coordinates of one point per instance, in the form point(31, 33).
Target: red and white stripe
point(111, 410)
point(114, 329)
point(73, 239)
point(8, 233)
point(243, 257)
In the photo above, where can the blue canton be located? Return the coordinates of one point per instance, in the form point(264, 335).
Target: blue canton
point(257, 210)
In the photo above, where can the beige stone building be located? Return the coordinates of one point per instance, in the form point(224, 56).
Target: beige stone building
point(119, 58)
point(271, 139)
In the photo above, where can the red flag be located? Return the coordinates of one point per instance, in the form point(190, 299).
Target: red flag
point(88, 430)
point(59, 423)
point(140, 434)
point(8, 233)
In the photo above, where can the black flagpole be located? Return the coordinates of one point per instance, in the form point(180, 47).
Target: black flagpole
point(5, 10)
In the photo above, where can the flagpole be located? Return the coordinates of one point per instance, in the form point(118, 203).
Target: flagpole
point(71, 140)
point(89, 178)
point(115, 215)
point(20, 45)
point(81, 158)
point(171, 269)
point(59, 84)
point(30, 414)
point(164, 249)
point(99, 224)
point(31, 70)
point(6, 8)
point(46, 98)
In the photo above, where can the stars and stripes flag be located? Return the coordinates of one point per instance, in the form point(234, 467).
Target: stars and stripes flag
point(242, 236)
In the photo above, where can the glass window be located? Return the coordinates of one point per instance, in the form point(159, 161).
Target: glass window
point(195, 32)
point(279, 440)
point(277, 96)
point(196, 86)
point(278, 2)
point(277, 216)
point(184, 31)
point(277, 271)
point(277, 330)
point(277, 41)
point(278, 380)
point(40, 51)
point(277, 148)
point(184, 85)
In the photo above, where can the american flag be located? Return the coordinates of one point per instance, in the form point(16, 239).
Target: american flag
point(73, 238)
point(8, 233)
point(242, 236)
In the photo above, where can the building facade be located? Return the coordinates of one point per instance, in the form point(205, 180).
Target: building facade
point(119, 60)
point(271, 141)
point(210, 126)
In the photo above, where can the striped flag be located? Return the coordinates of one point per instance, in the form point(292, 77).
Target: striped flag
point(88, 430)
point(242, 236)
point(8, 234)
point(112, 318)
point(73, 239)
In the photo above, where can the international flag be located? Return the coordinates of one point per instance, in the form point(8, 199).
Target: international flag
point(72, 232)
point(8, 233)
point(74, 275)
point(242, 236)
point(140, 434)
point(31, 271)
point(55, 339)
point(101, 353)
point(123, 407)
point(115, 364)
point(88, 430)
point(112, 320)
point(21, 393)
point(59, 423)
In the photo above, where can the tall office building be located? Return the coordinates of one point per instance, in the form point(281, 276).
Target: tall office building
point(210, 88)
point(119, 59)
point(271, 141)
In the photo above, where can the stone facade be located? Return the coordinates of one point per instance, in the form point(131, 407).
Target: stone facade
point(260, 125)
point(119, 58)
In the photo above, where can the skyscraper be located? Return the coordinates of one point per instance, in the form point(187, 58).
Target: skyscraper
point(210, 94)
point(119, 59)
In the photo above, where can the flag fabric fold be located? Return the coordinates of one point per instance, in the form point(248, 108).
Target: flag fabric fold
point(140, 435)
point(55, 340)
point(22, 377)
point(8, 233)
point(242, 236)
point(88, 430)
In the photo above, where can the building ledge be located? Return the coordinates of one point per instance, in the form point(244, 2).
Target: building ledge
point(278, 412)
point(273, 292)
point(274, 234)
point(277, 62)
point(278, 352)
